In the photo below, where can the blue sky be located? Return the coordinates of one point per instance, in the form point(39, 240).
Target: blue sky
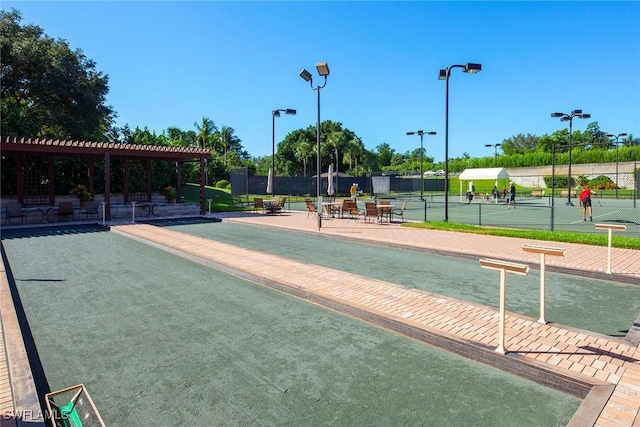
point(172, 63)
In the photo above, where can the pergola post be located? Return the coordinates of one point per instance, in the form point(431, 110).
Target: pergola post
point(107, 186)
point(20, 170)
point(202, 184)
point(125, 169)
point(90, 173)
point(52, 184)
point(148, 162)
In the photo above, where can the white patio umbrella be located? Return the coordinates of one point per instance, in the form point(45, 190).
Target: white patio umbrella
point(330, 180)
point(270, 182)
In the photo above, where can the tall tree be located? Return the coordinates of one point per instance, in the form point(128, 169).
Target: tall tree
point(205, 129)
point(519, 144)
point(47, 89)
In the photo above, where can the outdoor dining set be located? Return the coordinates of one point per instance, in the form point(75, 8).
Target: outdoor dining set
point(379, 211)
point(63, 211)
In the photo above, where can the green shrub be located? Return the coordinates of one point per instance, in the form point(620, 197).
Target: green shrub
point(602, 182)
point(223, 183)
point(560, 181)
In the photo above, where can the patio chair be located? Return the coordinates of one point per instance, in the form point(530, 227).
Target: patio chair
point(258, 204)
point(311, 208)
point(400, 211)
point(14, 210)
point(351, 209)
point(371, 210)
point(65, 209)
point(90, 209)
point(281, 202)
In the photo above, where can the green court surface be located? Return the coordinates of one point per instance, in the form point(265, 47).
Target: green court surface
point(160, 340)
point(595, 305)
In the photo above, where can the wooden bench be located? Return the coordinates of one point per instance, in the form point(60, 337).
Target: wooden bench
point(537, 193)
point(564, 193)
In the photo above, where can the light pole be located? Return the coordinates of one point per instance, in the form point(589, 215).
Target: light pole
point(444, 75)
point(616, 137)
point(323, 71)
point(569, 118)
point(421, 133)
point(274, 114)
point(495, 151)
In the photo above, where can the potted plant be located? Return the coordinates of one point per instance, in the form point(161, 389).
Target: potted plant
point(170, 193)
point(82, 193)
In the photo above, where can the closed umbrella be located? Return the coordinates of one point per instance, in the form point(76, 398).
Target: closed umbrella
point(270, 182)
point(330, 180)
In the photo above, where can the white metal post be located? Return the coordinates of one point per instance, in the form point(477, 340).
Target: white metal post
point(133, 212)
point(503, 307)
point(609, 253)
point(610, 228)
point(542, 289)
point(543, 250)
point(503, 267)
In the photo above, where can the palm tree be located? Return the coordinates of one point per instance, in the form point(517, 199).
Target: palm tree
point(205, 131)
point(225, 136)
point(303, 151)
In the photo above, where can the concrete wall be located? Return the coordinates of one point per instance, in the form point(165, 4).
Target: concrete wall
point(534, 176)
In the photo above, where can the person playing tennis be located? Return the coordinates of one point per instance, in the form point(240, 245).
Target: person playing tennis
point(585, 202)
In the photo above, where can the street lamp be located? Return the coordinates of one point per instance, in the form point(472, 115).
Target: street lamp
point(495, 151)
point(569, 118)
point(616, 137)
point(274, 114)
point(323, 71)
point(444, 75)
point(421, 133)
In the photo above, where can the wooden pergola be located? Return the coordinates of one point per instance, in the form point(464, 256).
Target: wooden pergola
point(92, 150)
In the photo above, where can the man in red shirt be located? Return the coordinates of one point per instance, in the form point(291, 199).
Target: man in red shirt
point(585, 202)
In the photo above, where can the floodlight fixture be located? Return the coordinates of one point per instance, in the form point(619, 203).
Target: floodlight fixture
point(323, 68)
point(472, 68)
point(564, 117)
point(306, 75)
point(290, 111)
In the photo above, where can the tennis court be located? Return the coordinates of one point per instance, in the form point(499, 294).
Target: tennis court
point(530, 212)
point(161, 340)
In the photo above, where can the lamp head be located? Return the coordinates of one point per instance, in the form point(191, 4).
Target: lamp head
point(565, 118)
point(290, 111)
point(622, 134)
point(411, 133)
point(576, 112)
point(488, 145)
point(431, 133)
point(557, 114)
point(584, 116)
point(306, 75)
point(323, 68)
point(472, 68)
point(443, 75)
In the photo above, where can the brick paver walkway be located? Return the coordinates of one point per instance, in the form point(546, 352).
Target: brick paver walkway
point(606, 364)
